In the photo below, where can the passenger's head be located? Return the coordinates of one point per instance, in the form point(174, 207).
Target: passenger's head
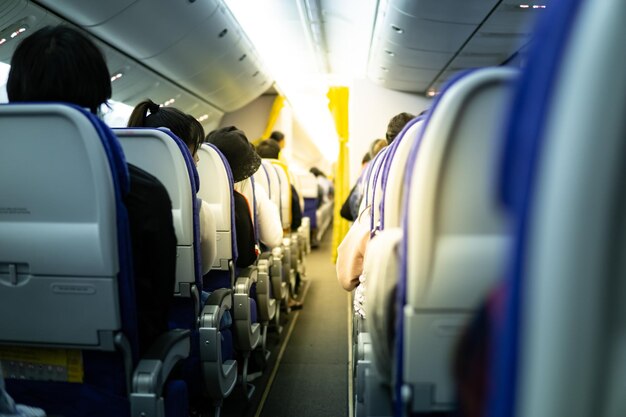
point(239, 153)
point(268, 149)
point(396, 124)
point(186, 127)
point(366, 158)
point(376, 146)
point(59, 63)
point(317, 172)
point(279, 138)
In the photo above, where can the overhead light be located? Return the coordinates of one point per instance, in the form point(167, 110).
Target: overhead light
point(431, 92)
point(168, 102)
point(117, 76)
point(397, 29)
point(2, 40)
point(203, 117)
point(524, 6)
point(539, 6)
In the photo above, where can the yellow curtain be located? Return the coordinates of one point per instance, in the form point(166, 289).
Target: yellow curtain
point(279, 102)
point(338, 105)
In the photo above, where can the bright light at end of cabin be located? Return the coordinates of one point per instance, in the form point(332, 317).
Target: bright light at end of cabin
point(305, 60)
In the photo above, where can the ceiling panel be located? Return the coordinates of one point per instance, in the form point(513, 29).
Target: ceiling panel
point(425, 35)
point(217, 35)
point(406, 86)
point(98, 12)
point(391, 54)
point(153, 26)
point(20, 15)
point(453, 11)
point(400, 73)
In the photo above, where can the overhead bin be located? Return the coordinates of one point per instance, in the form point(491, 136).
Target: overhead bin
point(145, 28)
point(98, 12)
point(197, 45)
point(451, 11)
point(18, 19)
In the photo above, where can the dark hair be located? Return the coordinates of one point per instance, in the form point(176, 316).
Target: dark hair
point(277, 136)
point(396, 124)
point(268, 149)
point(317, 172)
point(59, 63)
point(183, 125)
point(237, 150)
point(366, 158)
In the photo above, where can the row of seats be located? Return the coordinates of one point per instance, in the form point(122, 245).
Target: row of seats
point(70, 340)
point(503, 199)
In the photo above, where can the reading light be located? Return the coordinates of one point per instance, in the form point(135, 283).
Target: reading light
point(431, 93)
point(397, 29)
point(168, 102)
point(117, 76)
point(203, 117)
point(3, 40)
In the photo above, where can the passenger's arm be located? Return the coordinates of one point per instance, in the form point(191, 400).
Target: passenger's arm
point(350, 254)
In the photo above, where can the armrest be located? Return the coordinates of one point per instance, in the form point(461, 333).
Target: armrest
point(158, 361)
point(221, 296)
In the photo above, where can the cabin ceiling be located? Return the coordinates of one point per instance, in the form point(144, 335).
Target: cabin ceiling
point(197, 52)
point(418, 44)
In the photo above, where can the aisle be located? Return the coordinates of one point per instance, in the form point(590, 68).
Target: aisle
point(312, 377)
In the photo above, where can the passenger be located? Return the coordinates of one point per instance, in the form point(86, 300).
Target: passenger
point(353, 202)
point(61, 64)
point(351, 251)
point(268, 149)
point(190, 131)
point(345, 211)
point(267, 216)
point(279, 138)
point(396, 124)
point(244, 162)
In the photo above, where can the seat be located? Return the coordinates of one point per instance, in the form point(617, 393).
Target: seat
point(291, 246)
point(164, 155)
point(279, 269)
point(266, 303)
point(382, 271)
point(456, 237)
point(216, 188)
point(69, 344)
point(562, 180)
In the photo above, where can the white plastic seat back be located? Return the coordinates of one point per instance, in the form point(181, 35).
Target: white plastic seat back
point(262, 179)
point(371, 174)
point(308, 185)
point(285, 192)
point(274, 183)
point(216, 190)
point(394, 192)
point(58, 233)
point(157, 153)
point(455, 232)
